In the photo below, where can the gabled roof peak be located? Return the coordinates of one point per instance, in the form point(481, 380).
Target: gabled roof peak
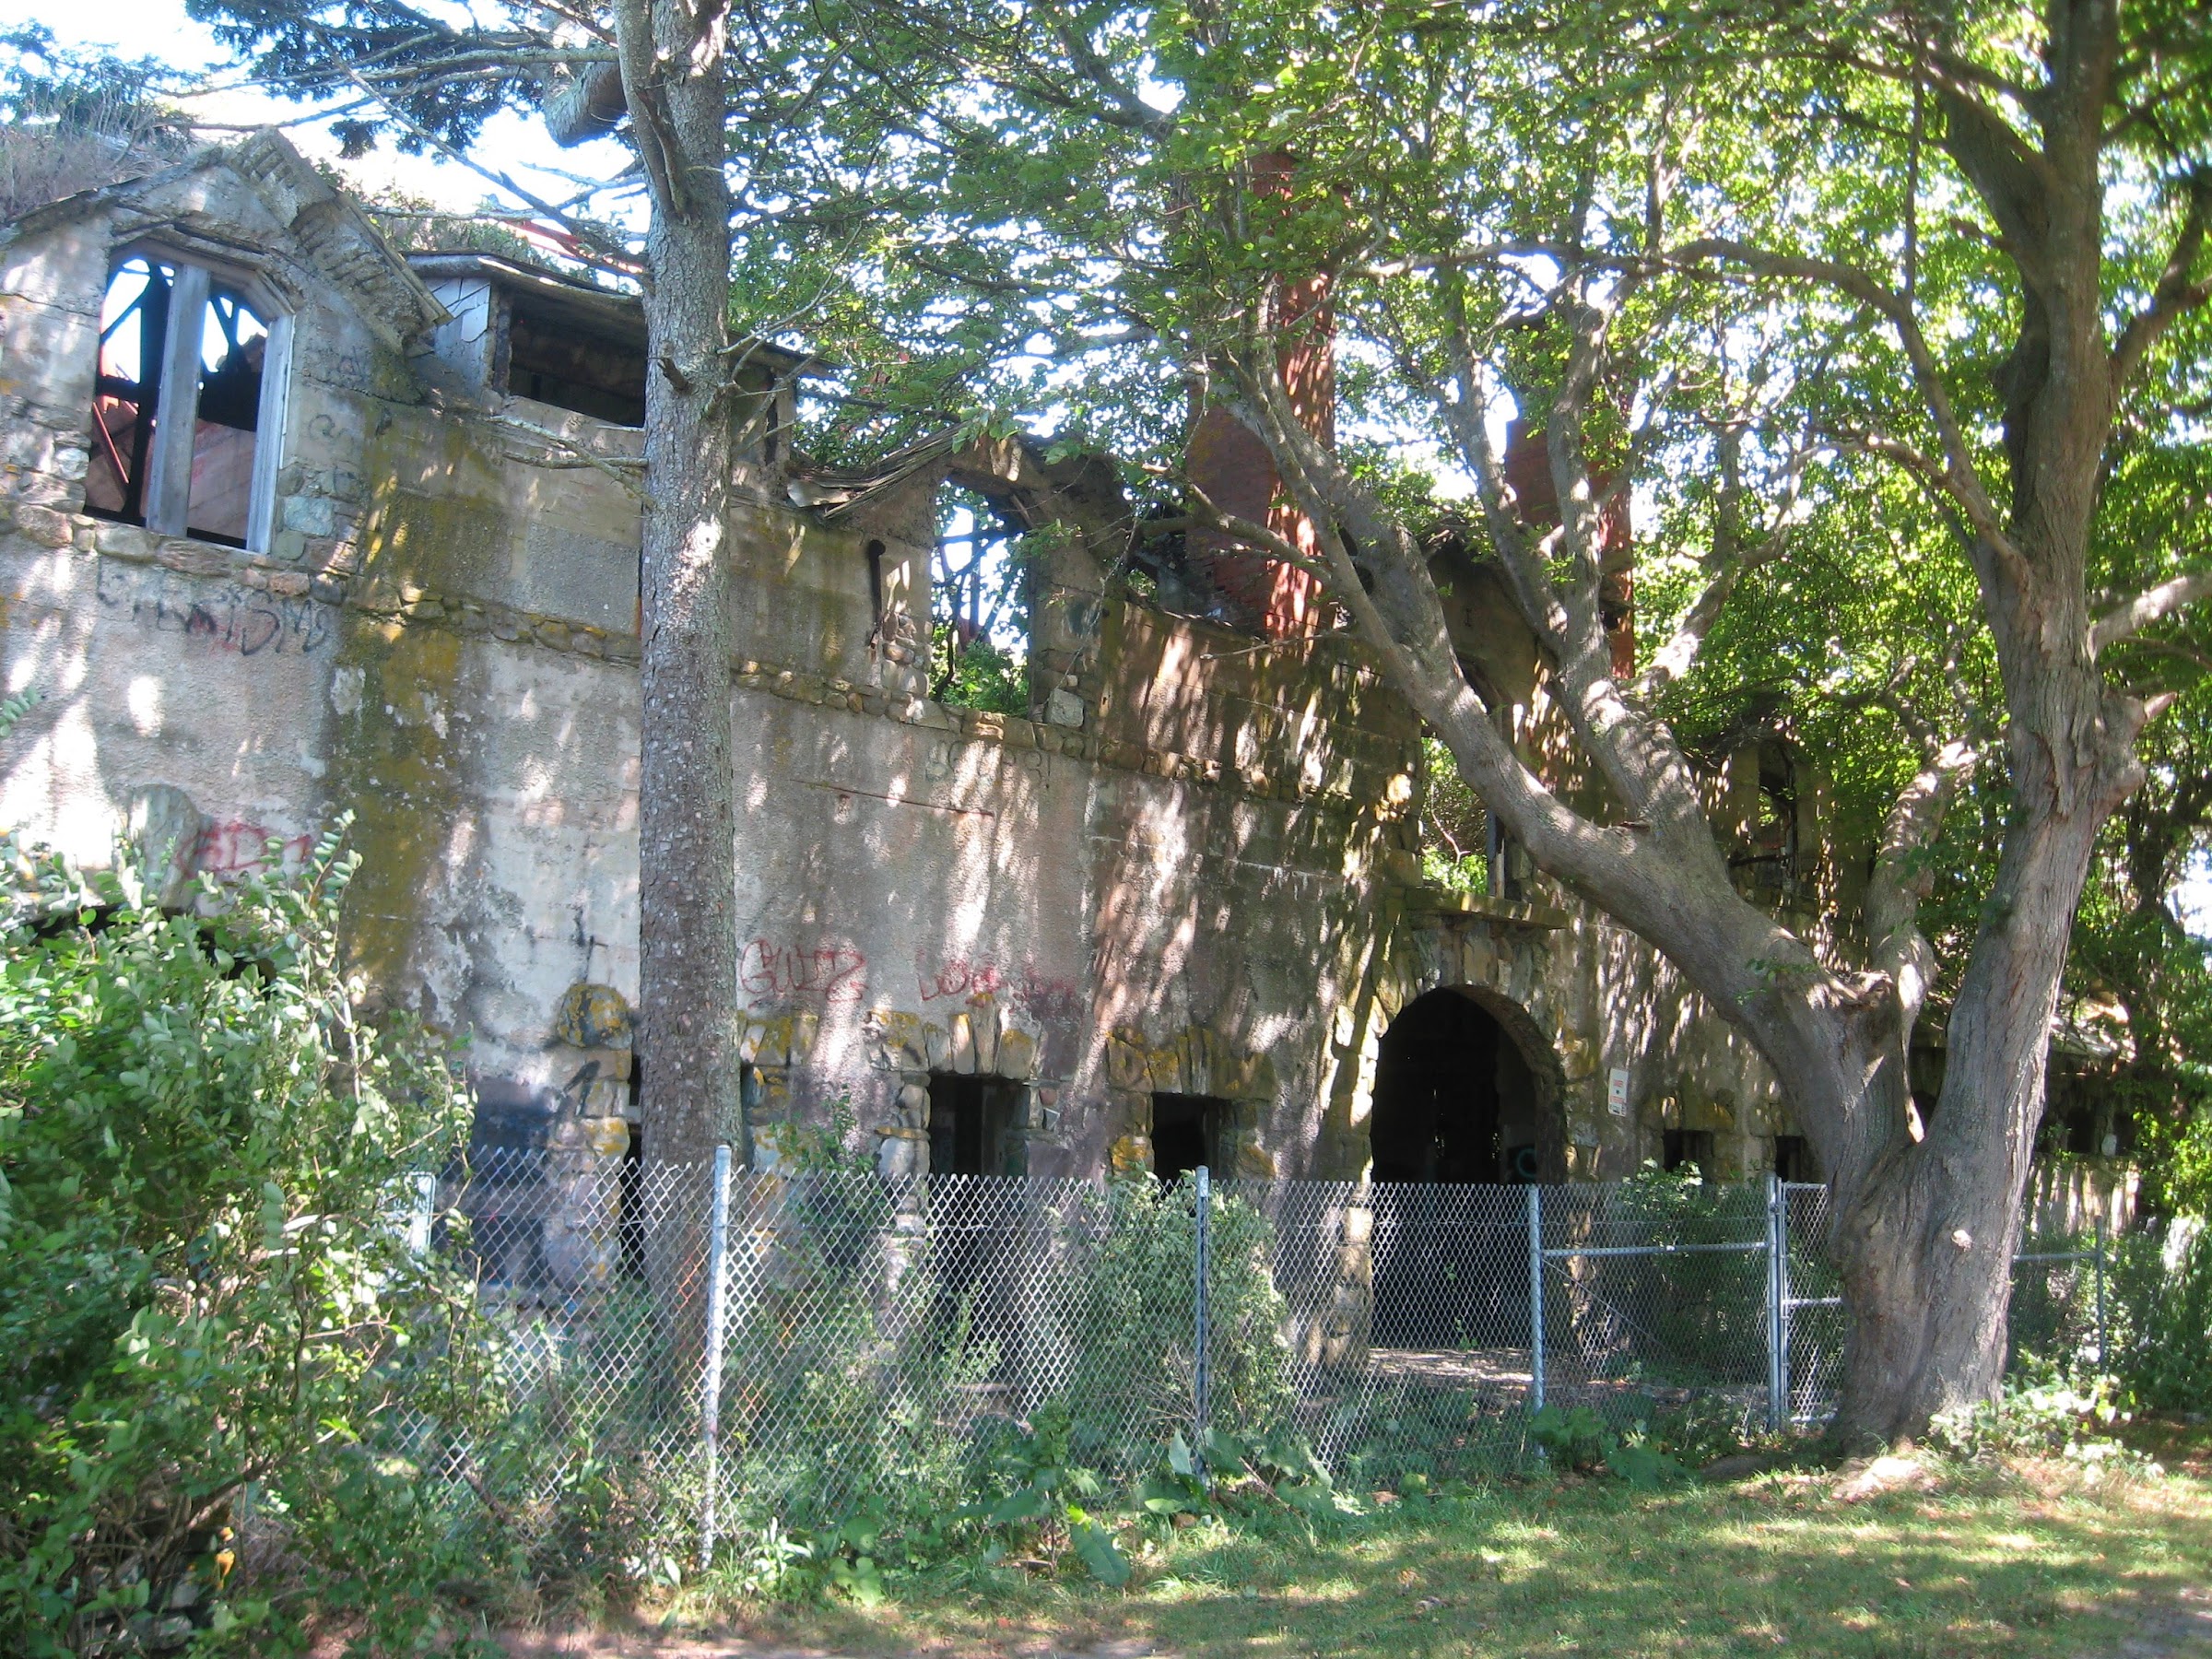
point(328, 229)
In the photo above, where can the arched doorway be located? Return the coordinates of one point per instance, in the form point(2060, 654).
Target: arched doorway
point(1466, 1108)
point(1456, 1099)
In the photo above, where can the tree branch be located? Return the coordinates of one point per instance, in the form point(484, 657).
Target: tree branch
point(1730, 562)
point(1960, 478)
point(2174, 293)
point(1902, 876)
point(2150, 606)
point(633, 40)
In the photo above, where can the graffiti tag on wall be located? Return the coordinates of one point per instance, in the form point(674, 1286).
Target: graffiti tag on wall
point(237, 845)
point(227, 616)
point(1039, 995)
point(826, 970)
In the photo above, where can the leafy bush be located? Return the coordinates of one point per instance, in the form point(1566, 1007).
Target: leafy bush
point(885, 1341)
point(977, 673)
point(2161, 1313)
point(206, 1291)
point(2060, 1418)
point(1135, 1337)
point(858, 1338)
point(1691, 1319)
point(1576, 1438)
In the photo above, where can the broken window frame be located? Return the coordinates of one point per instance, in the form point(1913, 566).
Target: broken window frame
point(162, 484)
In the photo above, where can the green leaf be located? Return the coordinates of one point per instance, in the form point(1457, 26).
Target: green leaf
point(1099, 1555)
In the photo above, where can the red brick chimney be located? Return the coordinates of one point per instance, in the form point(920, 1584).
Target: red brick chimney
point(1228, 461)
point(1528, 473)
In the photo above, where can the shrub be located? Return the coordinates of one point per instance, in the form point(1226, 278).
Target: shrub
point(1691, 1319)
point(205, 1285)
point(1133, 1372)
point(2046, 1419)
point(2162, 1312)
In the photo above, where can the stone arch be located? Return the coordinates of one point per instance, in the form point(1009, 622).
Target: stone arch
point(1481, 1046)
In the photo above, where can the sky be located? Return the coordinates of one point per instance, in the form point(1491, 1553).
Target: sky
point(159, 28)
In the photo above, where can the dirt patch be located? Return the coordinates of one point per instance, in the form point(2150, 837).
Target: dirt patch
point(1878, 1476)
point(646, 1644)
point(2182, 1631)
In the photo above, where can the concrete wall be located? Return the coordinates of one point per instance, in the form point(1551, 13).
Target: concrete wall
point(1193, 872)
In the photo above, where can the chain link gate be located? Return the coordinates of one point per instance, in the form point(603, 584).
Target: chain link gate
point(712, 1348)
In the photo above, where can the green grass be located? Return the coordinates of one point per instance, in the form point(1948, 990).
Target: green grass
point(2024, 1559)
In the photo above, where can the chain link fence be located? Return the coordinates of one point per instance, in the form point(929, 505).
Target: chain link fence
point(696, 1348)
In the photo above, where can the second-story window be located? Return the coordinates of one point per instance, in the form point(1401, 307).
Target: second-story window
point(190, 385)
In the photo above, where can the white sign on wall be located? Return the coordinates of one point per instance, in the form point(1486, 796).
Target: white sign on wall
point(1616, 1091)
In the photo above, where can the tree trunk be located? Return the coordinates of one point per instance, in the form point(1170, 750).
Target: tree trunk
point(688, 967)
point(1925, 1231)
point(1925, 1218)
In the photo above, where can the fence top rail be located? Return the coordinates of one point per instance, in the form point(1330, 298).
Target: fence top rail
point(488, 1162)
point(1578, 1217)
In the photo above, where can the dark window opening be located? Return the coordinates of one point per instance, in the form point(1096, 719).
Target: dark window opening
point(1691, 1146)
point(978, 606)
point(1187, 1130)
point(234, 348)
point(974, 1126)
point(1771, 859)
point(1793, 1158)
point(554, 361)
point(133, 334)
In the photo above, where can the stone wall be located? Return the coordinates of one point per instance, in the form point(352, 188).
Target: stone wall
point(1189, 875)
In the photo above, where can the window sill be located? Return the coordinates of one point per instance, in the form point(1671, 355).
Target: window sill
point(187, 555)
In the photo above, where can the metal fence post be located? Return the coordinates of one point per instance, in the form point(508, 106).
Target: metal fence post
point(1535, 1295)
point(2104, 1353)
point(1783, 1308)
point(709, 1403)
point(423, 1215)
point(1777, 1243)
point(1202, 1334)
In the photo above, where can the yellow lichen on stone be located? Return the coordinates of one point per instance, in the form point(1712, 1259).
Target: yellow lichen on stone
point(1132, 1155)
point(592, 1016)
point(397, 779)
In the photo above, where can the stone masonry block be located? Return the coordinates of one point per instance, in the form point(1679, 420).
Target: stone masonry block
point(982, 1020)
point(1017, 1055)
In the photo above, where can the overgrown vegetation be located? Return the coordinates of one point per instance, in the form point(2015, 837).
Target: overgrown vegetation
point(2161, 1300)
point(2039, 1558)
point(73, 121)
point(1454, 828)
point(206, 1286)
point(895, 1349)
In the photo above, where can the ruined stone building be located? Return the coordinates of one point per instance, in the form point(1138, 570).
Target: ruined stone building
point(305, 526)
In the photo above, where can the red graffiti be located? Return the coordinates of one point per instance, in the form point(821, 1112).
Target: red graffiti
point(1042, 998)
point(767, 971)
point(956, 976)
point(226, 848)
point(1047, 1000)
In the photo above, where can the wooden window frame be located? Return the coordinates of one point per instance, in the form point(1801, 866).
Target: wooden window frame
point(165, 501)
